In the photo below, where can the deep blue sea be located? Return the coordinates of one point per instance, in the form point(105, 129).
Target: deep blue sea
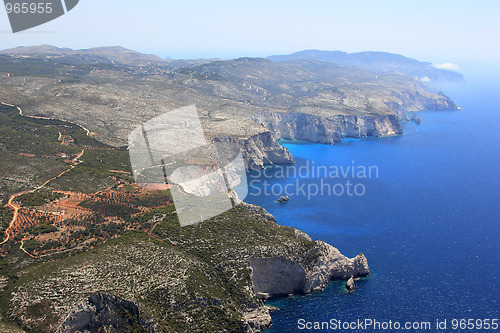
point(428, 222)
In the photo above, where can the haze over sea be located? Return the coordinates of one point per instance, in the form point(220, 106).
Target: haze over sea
point(428, 224)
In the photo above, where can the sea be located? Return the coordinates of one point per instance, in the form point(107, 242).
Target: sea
point(423, 207)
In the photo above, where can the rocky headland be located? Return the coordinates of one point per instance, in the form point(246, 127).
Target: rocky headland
point(209, 277)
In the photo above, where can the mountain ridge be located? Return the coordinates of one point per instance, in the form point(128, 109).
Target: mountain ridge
point(245, 99)
point(377, 61)
point(371, 60)
point(110, 53)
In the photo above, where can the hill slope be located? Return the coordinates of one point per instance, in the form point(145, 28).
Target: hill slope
point(254, 101)
point(113, 54)
point(377, 61)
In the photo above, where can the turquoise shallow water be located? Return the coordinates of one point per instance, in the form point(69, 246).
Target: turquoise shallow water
point(428, 224)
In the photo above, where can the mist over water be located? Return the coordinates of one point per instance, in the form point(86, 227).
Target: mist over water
point(428, 223)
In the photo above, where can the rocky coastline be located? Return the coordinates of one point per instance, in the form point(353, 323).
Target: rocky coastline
point(332, 129)
point(278, 276)
point(219, 272)
point(139, 281)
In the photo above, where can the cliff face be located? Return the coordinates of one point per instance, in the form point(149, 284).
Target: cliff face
point(102, 312)
point(261, 149)
point(412, 102)
point(328, 130)
point(277, 276)
point(298, 126)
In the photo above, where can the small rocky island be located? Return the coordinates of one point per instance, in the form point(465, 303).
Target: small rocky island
point(350, 286)
point(285, 198)
point(416, 119)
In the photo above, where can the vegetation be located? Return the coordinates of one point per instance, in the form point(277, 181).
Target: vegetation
point(6, 215)
point(27, 67)
point(39, 137)
point(73, 66)
point(21, 173)
point(38, 198)
point(192, 279)
point(123, 240)
point(6, 327)
point(39, 140)
point(102, 160)
point(31, 245)
point(105, 208)
point(155, 199)
point(43, 229)
point(96, 171)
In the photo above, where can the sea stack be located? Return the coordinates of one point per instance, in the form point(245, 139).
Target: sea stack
point(350, 286)
point(416, 119)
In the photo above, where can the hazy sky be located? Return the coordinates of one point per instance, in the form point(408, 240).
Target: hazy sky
point(436, 31)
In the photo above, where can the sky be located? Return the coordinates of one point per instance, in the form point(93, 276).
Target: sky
point(437, 31)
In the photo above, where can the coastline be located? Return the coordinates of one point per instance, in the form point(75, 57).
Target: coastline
point(409, 215)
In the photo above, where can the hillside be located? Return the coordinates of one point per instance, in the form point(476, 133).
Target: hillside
point(89, 237)
point(379, 62)
point(80, 235)
point(112, 54)
point(255, 101)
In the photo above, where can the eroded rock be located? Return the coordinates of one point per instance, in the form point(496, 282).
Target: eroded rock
point(103, 313)
point(350, 286)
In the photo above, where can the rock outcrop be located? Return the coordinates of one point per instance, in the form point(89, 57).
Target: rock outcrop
point(333, 265)
point(258, 146)
point(350, 286)
point(264, 213)
point(258, 318)
point(416, 119)
point(278, 276)
point(103, 313)
point(301, 234)
point(263, 149)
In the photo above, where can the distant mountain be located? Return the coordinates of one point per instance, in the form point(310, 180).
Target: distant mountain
point(37, 50)
point(377, 61)
point(112, 54)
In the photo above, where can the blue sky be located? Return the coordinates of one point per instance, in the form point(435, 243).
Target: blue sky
point(436, 31)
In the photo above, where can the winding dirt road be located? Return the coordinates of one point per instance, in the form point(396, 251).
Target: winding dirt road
point(11, 203)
